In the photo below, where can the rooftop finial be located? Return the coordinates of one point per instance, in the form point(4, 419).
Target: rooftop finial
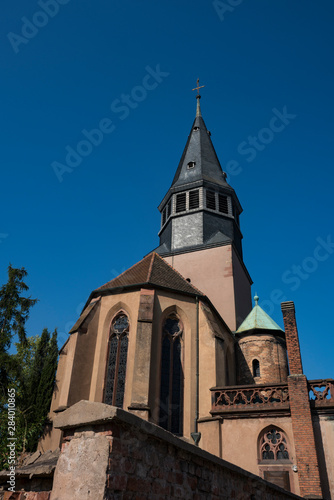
point(198, 111)
point(256, 299)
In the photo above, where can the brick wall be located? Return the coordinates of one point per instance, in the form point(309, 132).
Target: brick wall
point(270, 351)
point(143, 461)
point(292, 339)
point(307, 460)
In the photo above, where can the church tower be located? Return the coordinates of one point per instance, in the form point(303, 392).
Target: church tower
point(200, 233)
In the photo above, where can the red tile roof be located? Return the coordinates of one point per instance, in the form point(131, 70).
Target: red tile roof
point(152, 270)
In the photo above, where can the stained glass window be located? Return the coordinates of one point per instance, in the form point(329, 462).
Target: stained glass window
point(273, 445)
point(171, 384)
point(117, 359)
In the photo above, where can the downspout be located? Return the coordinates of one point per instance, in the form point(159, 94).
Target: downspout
point(197, 435)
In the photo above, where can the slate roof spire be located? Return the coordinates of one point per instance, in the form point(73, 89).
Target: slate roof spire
point(200, 151)
point(200, 209)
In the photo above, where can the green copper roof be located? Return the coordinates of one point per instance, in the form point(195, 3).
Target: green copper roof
point(257, 319)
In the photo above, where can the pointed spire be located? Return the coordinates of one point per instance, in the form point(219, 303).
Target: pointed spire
point(200, 153)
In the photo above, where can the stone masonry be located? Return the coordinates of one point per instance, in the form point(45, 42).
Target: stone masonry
point(109, 453)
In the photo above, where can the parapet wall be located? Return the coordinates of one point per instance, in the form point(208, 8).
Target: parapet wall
point(109, 453)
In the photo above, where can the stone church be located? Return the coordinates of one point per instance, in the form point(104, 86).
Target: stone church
point(175, 340)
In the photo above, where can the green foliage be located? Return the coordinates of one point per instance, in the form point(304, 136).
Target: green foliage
point(14, 312)
point(30, 371)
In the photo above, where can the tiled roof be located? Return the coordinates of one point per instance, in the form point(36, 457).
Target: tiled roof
point(152, 270)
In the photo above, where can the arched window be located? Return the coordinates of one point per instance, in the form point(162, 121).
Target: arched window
point(273, 445)
point(171, 397)
point(117, 359)
point(256, 368)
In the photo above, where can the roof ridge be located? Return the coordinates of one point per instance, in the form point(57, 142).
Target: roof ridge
point(126, 270)
point(177, 272)
point(150, 268)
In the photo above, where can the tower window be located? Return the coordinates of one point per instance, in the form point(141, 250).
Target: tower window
point(164, 216)
point(222, 204)
point(171, 415)
point(191, 164)
point(256, 368)
point(211, 200)
point(117, 360)
point(193, 199)
point(180, 202)
point(169, 208)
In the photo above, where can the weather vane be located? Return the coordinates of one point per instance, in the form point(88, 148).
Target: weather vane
point(198, 87)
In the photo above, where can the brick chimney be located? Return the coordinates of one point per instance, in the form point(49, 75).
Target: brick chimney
point(292, 340)
point(307, 460)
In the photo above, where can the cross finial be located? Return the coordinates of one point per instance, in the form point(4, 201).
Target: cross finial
point(198, 87)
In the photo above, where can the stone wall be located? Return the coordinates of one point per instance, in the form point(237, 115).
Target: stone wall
point(109, 453)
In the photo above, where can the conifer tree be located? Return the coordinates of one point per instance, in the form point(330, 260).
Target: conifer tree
point(14, 312)
point(30, 371)
point(47, 379)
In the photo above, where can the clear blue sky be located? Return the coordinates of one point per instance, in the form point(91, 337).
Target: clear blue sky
point(85, 56)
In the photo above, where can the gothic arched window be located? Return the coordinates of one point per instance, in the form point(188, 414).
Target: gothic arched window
point(171, 397)
point(256, 368)
point(117, 359)
point(273, 445)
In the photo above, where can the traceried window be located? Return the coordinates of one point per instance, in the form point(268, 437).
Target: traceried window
point(273, 445)
point(117, 359)
point(171, 385)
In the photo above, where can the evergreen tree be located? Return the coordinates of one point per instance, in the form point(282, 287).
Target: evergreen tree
point(36, 371)
point(48, 378)
point(14, 312)
point(30, 371)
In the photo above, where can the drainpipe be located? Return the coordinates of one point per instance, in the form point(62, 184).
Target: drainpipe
point(197, 435)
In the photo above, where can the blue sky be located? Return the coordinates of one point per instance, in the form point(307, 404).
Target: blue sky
point(71, 74)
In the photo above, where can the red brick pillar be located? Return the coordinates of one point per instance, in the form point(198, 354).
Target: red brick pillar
point(307, 460)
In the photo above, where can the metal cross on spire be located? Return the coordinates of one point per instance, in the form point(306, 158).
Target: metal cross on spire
point(198, 87)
